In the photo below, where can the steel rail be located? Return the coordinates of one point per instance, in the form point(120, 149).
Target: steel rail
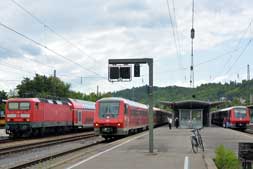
point(42, 159)
point(20, 148)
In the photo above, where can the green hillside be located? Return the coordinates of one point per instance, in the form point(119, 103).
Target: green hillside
point(234, 93)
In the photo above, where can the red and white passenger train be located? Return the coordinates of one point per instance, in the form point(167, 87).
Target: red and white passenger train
point(119, 117)
point(237, 117)
point(33, 116)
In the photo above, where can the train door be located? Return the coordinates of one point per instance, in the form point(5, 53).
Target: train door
point(79, 117)
point(126, 116)
point(229, 115)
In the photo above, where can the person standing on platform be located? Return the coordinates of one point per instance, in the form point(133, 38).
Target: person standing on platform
point(176, 122)
point(169, 122)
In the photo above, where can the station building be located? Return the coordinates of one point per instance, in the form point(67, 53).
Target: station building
point(192, 113)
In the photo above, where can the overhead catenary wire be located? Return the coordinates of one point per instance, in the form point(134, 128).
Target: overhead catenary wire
point(49, 49)
point(236, 49)
point(178, 34)
point(173, 30)
point(32, 59)
point(52, 30)
point(238, 57)
point(29, 72)
point(54, 52)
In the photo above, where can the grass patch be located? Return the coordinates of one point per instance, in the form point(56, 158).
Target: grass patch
point(226, 158)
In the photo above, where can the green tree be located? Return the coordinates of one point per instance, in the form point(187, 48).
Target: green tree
point(3, 96)
point(42, 86)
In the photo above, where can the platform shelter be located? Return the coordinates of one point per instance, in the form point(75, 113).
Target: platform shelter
point(192, 113)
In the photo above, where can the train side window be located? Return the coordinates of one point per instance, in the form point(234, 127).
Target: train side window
point(37, 106)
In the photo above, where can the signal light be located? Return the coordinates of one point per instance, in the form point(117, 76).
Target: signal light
point(114, 73)
point(136, 70)
point(125, 72)
point(119, 73)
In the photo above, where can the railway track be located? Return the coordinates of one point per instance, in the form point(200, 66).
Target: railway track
point(35, 161)
point(5, 140)
point(24, 147)
point(42, 159)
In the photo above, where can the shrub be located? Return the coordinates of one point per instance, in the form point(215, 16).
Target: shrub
point(226, 158)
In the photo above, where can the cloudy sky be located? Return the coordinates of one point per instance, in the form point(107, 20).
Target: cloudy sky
point(77, 38)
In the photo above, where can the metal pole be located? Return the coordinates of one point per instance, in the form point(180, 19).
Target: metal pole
point(97, 91)
point(54, 73)
point(150, 110)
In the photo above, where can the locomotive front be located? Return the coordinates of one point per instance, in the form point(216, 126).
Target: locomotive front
point(18, 116)
point(240, 117)
point(109, 118)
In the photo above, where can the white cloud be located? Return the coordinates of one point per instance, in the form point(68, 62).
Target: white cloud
point(120, 29)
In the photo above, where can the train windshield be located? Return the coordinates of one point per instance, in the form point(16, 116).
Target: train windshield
point(108, 109)
point(18, 105)
point(240, 113)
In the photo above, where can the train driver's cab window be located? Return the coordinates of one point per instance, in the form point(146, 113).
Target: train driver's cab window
point(13, 105)
point(24, 105)
point(37, 106)
point(109, 109)
point(240, 113)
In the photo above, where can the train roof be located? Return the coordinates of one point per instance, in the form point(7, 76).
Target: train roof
point(161, 110)
point(229, 108)
point(24, 99)
point(129, 102)
point(250, 106)
point(50, 101)
point(82, 103)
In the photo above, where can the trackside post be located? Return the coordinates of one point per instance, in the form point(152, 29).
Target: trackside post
point(149, 61)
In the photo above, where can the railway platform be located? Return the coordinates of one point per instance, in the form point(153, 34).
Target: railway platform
point(171, 149)
point(2, 133)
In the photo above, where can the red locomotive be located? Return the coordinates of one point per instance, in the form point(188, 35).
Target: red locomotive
point(116, 117)
point(33, 116)
point(233, 117)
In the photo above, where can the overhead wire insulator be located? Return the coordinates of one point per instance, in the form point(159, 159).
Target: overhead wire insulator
point(192, 33)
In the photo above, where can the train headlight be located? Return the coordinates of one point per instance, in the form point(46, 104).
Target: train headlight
point(96, 124)
point(25, 115)
point(11, 115)
point(119, 124)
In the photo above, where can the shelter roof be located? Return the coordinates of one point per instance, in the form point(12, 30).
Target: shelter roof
point(191, 104)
